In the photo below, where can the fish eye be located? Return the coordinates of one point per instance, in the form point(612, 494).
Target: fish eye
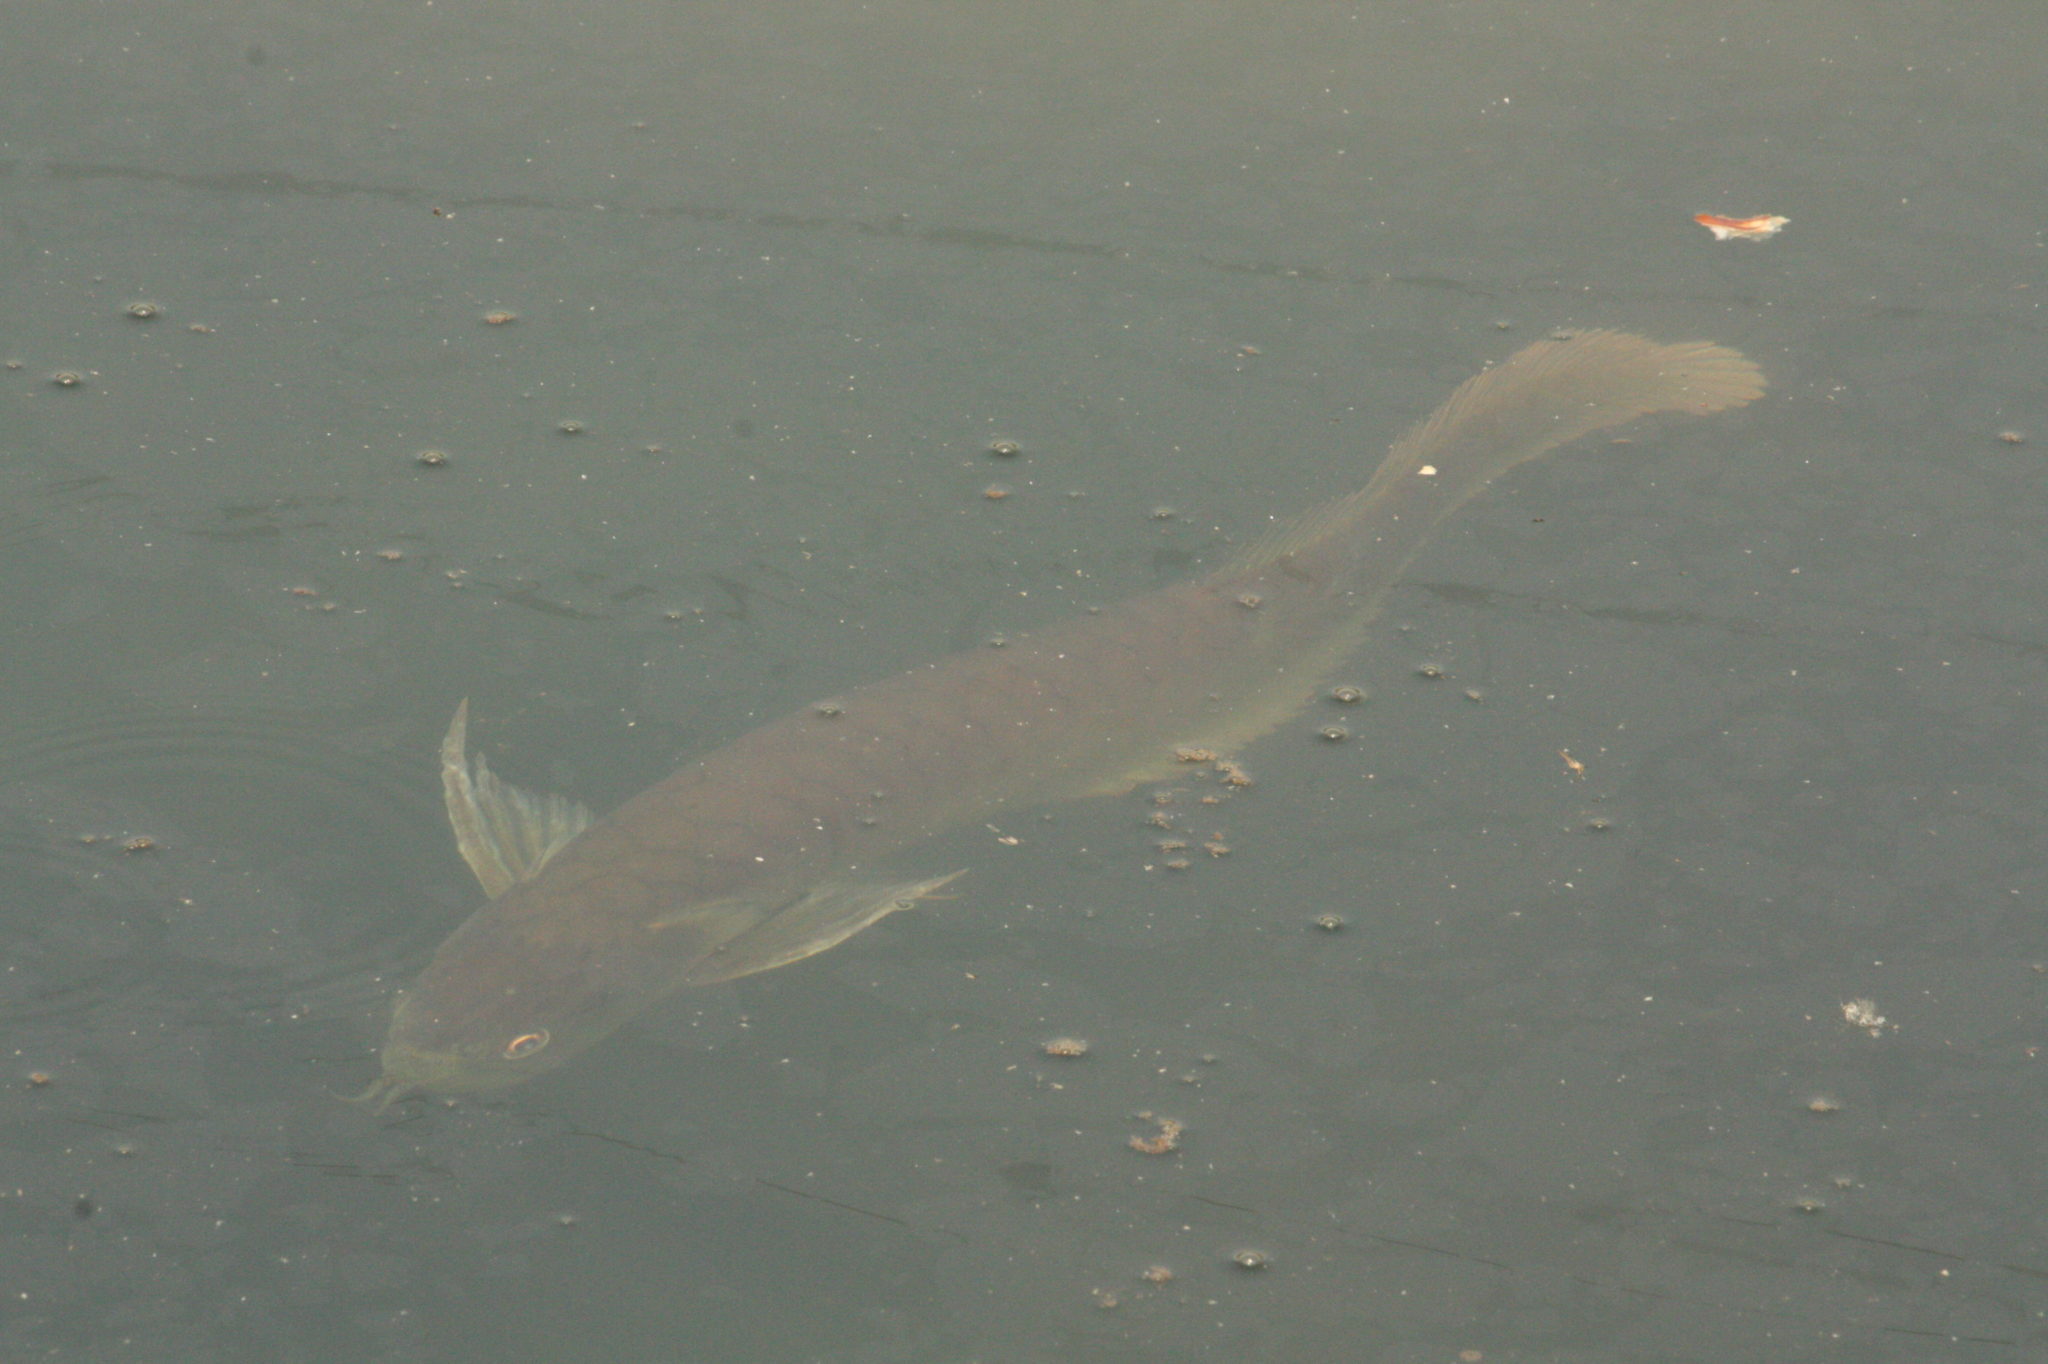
point(526, 1044)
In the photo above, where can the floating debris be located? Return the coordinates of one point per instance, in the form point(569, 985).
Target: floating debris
point(1065, 1047)
point(1756, 229)
point(1164, 1141)
point(1862, 1013)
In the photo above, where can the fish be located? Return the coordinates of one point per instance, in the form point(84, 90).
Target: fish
point(780, 845)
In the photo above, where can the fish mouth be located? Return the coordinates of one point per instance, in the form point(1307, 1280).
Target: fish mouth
point(382, 1092)
point(407, 1070)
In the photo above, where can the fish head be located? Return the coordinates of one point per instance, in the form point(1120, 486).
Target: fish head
point(498, 1006)
point(426, 1052)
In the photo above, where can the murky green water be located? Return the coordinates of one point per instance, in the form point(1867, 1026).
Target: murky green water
point(777, 279)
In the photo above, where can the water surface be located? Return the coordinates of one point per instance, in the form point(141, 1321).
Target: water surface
point(777, 282)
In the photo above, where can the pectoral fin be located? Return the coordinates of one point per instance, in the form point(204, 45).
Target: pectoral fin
point(827, 914)
point(505, 834)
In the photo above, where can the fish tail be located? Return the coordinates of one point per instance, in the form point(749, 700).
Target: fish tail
point(1556, 391)
point(1543, 396)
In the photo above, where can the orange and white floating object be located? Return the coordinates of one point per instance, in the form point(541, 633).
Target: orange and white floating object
point(1741, 229)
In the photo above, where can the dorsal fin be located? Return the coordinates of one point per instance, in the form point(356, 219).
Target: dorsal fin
point(505, 834)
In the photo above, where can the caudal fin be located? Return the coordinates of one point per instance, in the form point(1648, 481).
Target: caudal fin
point(1541, 397)
point(1556, 391)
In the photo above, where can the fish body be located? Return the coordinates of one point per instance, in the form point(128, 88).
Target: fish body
point(770, 850)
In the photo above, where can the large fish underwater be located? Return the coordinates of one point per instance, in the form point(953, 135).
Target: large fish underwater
point(770, 850)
